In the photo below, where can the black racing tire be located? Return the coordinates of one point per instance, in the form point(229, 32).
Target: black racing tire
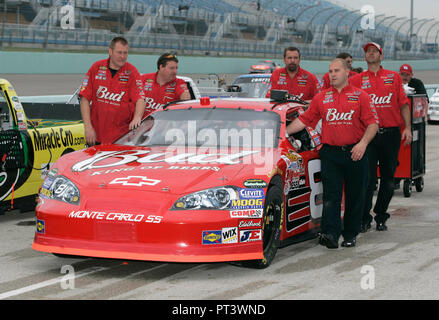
point(272, 226)
point(419, 184)
point(407, 188)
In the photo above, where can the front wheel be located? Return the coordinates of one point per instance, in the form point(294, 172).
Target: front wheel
point(419, 184)
point(272, 227)
point(407, 188)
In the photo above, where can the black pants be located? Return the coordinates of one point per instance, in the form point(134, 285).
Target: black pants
point(338, 169)
point(383, 153)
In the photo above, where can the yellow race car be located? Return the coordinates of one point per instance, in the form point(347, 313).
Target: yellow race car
point(32, 137)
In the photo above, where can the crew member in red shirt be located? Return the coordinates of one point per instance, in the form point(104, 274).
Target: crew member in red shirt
point(392, 106)
point(348, 58)
point(349, 123)
point(163, 86)
point(293, 78)
point(110, 89)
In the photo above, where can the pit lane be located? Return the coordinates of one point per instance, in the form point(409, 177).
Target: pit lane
point(398, 264)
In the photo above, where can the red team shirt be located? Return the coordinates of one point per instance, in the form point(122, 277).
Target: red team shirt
point(304, 84)
point(387, 93)
point(157, 96)
point(345, 115)
point(112, 99)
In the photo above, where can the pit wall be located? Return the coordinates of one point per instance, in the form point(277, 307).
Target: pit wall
point(73, 63)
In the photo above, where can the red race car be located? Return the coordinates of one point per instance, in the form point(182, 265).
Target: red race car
point(264, 66)
point(200, 181)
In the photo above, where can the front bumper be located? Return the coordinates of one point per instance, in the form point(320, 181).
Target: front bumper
point(175, 237)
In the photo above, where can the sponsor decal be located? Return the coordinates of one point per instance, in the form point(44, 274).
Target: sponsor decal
point(251, 193)
point(45, 193)
point(103, 93)
point(136, 181)
point(294, 169)
point(353, 98)
point(229, 235)
point(383, 100)
point(151, 104)
point(53, 172)
point(212, 237)
point(107, 159)
point(241, 204)
point(47, 183)
point(328, 98)
point(41, 226)
point(333, 115)
point(114, 216)
point(55, 138)
point(250, 235)
point(45, 169)
point(101, 172)
point(255, 183)
point(250, 224)
point(249, 213)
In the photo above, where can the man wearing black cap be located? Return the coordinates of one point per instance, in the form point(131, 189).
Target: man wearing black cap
point(392, 106)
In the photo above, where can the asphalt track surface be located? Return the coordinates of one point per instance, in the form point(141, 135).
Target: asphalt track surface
point(400, 263)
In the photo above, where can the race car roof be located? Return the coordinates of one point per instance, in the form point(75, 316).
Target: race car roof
point(232, 102)
point(258, 104)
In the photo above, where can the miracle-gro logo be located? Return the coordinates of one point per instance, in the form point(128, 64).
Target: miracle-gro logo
point(53, 139)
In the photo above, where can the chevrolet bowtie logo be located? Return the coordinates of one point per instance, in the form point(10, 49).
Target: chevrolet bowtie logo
point(136, 181)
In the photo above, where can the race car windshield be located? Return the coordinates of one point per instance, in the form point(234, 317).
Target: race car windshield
point(252, 87)
point(219, 128)
point(253, 90)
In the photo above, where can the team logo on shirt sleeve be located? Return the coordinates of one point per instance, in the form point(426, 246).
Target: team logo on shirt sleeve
point(84, 83)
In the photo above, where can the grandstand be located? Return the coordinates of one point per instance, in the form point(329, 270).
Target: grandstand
point(260, 28)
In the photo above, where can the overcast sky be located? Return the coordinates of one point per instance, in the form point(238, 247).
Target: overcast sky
point(400, 8)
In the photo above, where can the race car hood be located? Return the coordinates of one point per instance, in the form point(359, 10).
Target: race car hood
point(157, 168)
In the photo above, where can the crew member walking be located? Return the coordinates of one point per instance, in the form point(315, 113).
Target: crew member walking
point(293, 78)
point(349, 123)
point(392, 106)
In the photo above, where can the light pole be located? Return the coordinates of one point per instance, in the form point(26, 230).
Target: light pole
point(411, 17)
